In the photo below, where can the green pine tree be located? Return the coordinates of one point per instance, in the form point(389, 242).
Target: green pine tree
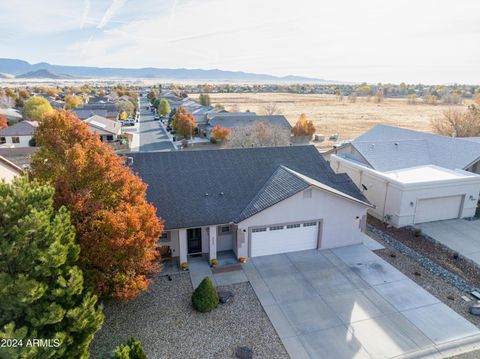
point(41, 289)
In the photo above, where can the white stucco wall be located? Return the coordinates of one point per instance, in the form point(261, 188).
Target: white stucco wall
point(340, 218)
point(24, 141)
point(395, 199)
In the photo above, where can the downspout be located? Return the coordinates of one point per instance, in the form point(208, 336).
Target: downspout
point(385, 200)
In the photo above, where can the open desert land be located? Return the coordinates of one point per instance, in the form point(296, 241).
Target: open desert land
point(332, 115)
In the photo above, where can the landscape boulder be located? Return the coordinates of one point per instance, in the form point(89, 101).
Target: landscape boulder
point(244, 353)
point(475, 309)
point(225, 296)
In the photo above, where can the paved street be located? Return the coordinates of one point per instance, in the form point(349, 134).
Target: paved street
point(152, 136)
point(349, 303)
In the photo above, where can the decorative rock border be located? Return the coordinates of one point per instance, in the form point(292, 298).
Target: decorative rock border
point(431, 266)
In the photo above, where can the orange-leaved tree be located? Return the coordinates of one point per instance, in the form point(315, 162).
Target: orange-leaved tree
point(303, 127)
point(183, 122)
point(3, 121)
point(220, 133)
point(117, 228)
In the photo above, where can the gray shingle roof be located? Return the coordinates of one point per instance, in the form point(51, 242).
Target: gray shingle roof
point(281, 185)
point(388, 148)
point(84, 114)
point(196, 188)
point(242, 120)
point(22, 128)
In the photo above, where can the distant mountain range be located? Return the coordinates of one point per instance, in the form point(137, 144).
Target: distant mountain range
point(23, 69)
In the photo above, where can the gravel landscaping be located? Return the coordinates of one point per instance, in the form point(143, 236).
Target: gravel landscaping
point(433, 283)
point(163, 320)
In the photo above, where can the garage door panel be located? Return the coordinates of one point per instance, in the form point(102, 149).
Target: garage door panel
point(274, 240)
point(438, 208)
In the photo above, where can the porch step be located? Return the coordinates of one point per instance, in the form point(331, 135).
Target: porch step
point(227, 268)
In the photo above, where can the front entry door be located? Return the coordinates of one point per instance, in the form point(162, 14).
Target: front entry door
point(194, 240)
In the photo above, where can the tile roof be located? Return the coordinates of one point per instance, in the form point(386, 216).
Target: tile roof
point(196, 188)
point(388, 148)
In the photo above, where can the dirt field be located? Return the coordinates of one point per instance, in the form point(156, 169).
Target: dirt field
point(331, 115)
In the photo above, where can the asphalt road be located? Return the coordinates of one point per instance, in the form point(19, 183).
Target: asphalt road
point(152, 135)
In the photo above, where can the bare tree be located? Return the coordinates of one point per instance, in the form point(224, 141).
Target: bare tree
point(260, 134)
point(458, 123)
point(452, 99)
point(271, 109)
point(7, 102)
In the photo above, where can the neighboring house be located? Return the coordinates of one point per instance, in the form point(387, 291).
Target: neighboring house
point(9, 170)
point(18, 135)
point(108, 130)
point(11, 114)
point(107, 110)
point(84, 114)
point(254, 201)
point(243, 119)
point(412, 177)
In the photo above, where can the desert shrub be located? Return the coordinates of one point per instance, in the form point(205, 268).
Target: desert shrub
point(131, 350)
point(205, 297)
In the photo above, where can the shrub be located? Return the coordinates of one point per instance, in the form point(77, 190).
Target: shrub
point(132, 350)
point(214, 262)
point(205, 297)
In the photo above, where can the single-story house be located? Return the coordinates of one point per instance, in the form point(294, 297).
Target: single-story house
point(9, 170)
point(254, 201)
point(84, 114)
point(18, 135)
point(11, 114)
point(107, 129)
point(412, 177)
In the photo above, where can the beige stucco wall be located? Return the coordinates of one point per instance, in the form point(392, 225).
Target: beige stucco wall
point(340, 217)
point(7, 173)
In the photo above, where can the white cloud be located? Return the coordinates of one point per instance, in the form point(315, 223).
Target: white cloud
point(430, 41)
point(86, 11)
point(110, 12)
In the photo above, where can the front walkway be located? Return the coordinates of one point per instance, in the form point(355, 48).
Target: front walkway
point(459, 235)
point(350, 303)
point(199, 268)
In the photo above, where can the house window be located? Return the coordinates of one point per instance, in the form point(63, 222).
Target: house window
point(307, 193)
point(276, 228)
point(255, 230)
point(3, 140)
point(15, 139)
point(224, 229)
point(109, 138)
point(296, 225)
point(164, 237)
point(310, 224)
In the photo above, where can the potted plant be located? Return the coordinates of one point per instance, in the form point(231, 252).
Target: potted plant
point(184, 266)
point(242, 260)
point(213, 262)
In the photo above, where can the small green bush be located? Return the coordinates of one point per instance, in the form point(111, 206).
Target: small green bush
point(205, 297)
point(132, 350)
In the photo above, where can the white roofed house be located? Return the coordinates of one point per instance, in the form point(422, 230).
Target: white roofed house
point(107, 129)
point(413, 177)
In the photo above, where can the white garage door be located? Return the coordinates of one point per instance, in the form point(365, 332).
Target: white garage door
point(284, 238)
point(437, 209)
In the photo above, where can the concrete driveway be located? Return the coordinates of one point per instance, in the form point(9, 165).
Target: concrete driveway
point(349, 303)
point(458, 234)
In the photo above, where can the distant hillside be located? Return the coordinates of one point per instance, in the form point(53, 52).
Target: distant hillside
point(6, 76)
point(43, 74)
point(21, 68)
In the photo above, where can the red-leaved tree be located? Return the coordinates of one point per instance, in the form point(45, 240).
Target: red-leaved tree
point(220, 133)
point(3, 122)
point(183, 122)
point(117, 228)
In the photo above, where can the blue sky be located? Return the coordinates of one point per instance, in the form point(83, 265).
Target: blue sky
point(429, 41)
